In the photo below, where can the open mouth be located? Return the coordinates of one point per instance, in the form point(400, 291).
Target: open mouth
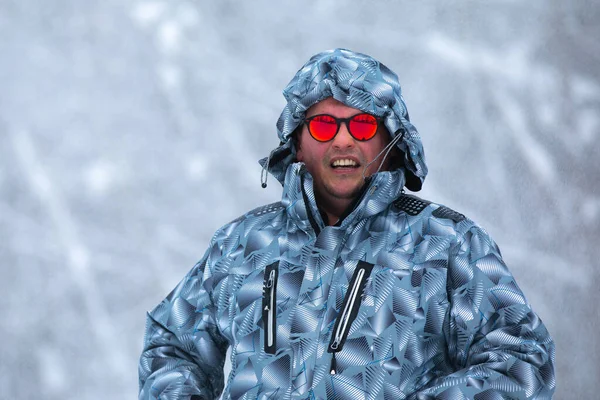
point(344, 163)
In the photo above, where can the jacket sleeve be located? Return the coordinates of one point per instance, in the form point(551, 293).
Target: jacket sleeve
point(184, 352)
point(498, 347)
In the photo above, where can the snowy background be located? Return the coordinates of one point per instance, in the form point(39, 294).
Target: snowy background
point(130, 130)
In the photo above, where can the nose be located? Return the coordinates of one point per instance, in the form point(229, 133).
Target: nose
point(343, 139)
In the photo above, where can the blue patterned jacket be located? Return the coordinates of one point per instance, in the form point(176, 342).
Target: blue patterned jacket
point(404, 299)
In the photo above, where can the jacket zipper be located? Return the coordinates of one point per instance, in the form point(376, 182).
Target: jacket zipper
point(311, 217)
point(270, 306)
point(350, 308)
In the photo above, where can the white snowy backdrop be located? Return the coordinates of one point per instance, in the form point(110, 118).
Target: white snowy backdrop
point(130, 130)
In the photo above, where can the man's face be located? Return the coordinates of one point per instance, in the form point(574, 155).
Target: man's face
point(339, 182)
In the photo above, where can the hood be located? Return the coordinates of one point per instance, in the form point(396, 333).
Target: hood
point(358, 81)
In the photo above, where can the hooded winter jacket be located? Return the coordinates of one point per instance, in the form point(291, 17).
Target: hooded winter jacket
point(401, 299)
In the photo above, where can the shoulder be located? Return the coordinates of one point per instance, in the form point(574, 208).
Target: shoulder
point(428, 212)
point(414, 206)
point(262, 212)
point(248, 221)
point(434, 219)
point(250, 231)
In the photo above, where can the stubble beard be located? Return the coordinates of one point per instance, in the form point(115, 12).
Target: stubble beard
point(348, 191)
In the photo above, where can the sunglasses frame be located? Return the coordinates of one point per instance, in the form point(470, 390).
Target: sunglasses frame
point(338, 122)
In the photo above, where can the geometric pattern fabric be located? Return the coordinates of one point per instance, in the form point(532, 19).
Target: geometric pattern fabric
point(437, 315)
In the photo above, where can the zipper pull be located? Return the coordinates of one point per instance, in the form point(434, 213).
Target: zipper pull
point(271, 279)
point(333, 368)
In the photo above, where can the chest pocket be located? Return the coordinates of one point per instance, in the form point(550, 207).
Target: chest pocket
point(269, 307)
point(349, 310)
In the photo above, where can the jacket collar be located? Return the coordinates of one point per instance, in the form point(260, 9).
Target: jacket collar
point(299, 198)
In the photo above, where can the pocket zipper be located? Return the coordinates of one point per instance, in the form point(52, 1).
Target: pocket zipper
point(345, 317)
point(350, 309)
point(270, 307)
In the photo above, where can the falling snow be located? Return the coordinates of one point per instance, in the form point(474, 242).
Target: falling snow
point(130, 131)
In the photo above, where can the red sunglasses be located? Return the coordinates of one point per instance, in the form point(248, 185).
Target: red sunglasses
point(324, 127)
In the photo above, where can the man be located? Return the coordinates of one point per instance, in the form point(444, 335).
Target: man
point(348, 288)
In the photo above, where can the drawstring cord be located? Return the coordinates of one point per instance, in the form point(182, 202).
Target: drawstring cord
point(387, 150)
point(264, 174)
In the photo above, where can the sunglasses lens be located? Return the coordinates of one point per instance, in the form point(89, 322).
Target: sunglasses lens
point(363, 126)
point(323, 127)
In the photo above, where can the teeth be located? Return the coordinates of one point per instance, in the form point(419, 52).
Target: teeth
point(344, 163)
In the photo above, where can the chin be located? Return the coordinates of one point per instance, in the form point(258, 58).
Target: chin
point(345, 191)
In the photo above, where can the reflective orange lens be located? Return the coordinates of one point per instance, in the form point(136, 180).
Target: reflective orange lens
point(363, 126)
point(323, 127)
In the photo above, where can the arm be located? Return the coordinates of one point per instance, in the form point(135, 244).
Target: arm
point(499, 347)
point(184, 352)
